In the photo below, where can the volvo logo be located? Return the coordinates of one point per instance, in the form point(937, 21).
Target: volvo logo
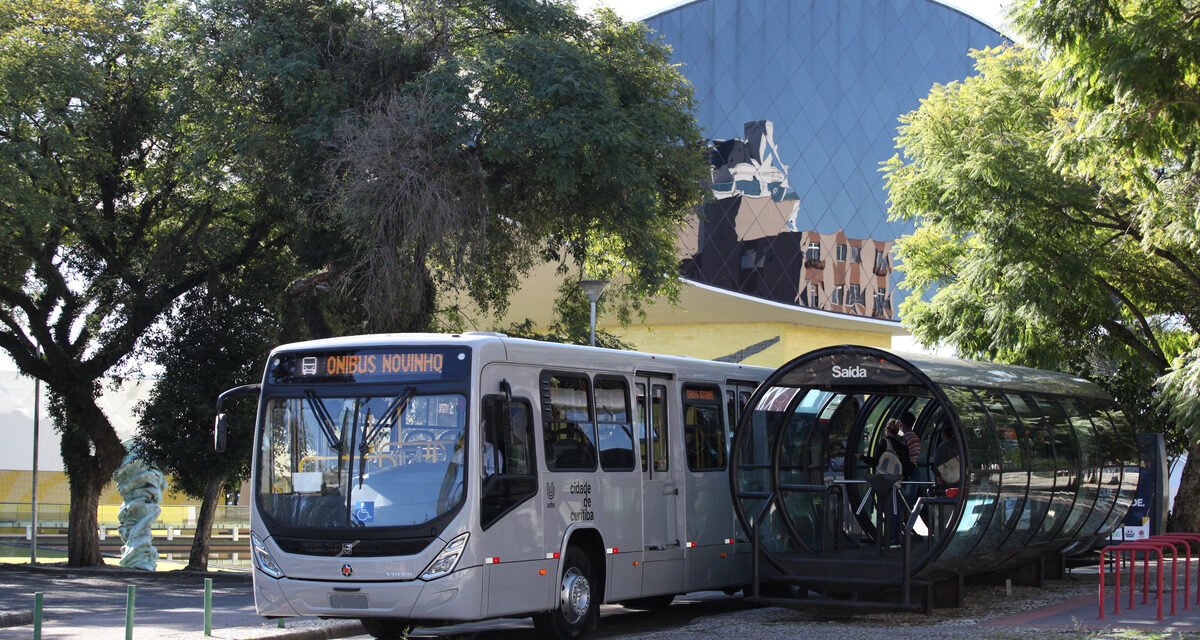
point(347, 570)
point(347, 549)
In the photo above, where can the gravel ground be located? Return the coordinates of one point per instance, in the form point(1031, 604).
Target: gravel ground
point(983, 604)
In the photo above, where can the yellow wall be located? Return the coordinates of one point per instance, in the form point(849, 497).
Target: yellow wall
point(711, 341)
point(17, 487)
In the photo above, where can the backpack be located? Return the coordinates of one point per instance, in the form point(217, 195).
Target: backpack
point(894, 459)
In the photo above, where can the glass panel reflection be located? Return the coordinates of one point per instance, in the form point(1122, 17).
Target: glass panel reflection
point(1066, 473)
point(1090, 462)
point(1012, 525)
point(982, 468)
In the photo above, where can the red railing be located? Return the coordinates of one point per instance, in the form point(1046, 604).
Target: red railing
point(1177, 543)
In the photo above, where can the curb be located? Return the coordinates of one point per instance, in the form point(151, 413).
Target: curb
point(325, 632)
point(16, 619)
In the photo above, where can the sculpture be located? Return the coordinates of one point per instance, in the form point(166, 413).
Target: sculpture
point(141, 487)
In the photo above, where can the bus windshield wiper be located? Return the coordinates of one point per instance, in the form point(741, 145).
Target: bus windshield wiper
point(386, 421)
point(324, 419)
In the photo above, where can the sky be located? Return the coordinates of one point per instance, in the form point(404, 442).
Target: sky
point(987, 11)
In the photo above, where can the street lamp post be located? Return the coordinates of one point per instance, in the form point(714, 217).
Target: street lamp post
point(593, 289)
point(33, 521)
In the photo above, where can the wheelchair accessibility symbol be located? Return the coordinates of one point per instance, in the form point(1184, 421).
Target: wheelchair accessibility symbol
point(364, 512)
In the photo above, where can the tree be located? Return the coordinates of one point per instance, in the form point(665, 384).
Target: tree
point(1023, 258)
point(507, 133)
point(209, 341)
point(1133, 69)
point(115, 153)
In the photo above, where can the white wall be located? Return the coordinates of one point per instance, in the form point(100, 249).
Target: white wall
point(16, 418)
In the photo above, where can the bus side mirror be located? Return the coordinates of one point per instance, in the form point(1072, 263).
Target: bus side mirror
point(220, 433)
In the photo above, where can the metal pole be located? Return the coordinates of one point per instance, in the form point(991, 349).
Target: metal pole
point(592, 332)
point(33, 529)
point(130, 593)
point(37, 616)
point(208, 606)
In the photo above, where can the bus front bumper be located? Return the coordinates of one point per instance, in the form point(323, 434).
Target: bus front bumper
point(457, 596)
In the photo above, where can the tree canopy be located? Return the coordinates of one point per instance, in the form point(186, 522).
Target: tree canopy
point(533, 134)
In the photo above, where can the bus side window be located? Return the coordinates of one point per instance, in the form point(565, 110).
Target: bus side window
point(703, 428)
point(509, 476)
point(568, 434)
point(658, 413)
point(639, 421)
point(612, 420)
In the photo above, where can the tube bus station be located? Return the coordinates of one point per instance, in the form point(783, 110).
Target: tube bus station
point(1047, 467)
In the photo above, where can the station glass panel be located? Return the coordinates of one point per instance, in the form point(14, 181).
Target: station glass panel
point(869, 439)
point(751, 458)
point(1110, 471)
point(1012, 524)
point(804, 460)
point(1128, 458)
point(1043, 466)
point(1090, 462)
point(982, 469)
point(1066, 489)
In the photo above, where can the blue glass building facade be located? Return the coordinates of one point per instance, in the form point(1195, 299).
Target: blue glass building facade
point(832, 77)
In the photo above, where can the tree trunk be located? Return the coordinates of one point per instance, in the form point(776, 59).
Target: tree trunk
point(198, 560)
point(83, 540)
point(91, 452)
point(1186, 514)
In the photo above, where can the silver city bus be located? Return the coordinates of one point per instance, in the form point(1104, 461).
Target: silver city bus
point(430, 479)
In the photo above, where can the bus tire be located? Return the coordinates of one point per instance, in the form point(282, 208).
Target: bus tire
point(578, 605)
point(387, 628)
point(649, 603)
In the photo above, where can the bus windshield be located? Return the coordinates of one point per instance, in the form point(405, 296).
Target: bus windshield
point(362, 461)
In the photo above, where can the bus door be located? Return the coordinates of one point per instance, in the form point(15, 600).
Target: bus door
point(663, 572)
point(737, 396)
point(707, 503)
point(503, 463)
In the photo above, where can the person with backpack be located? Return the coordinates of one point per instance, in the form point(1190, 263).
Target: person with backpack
point(892, 464)
point(913, 442)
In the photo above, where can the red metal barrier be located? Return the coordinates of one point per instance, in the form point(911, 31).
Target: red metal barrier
point(1191, 538)
point(1185, 539)
point(1117, 550)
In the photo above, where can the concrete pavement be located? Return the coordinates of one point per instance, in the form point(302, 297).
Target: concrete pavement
point(90, 603)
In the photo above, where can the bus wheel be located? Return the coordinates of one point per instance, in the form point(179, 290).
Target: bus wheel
point(650, 603)
point(387, 628)
point(577, 609)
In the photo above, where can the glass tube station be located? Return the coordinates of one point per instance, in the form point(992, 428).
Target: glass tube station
point(1047, 466)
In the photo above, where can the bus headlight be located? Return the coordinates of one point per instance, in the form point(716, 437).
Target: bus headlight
point(262, 557)
point(446, 560)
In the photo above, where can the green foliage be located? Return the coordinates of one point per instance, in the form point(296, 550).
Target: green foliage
point(1020, 258)
point(535, 134)
point(208, 344)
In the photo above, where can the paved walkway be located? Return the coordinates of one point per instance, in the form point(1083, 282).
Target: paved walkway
point(90, 603)
point(1083, 612)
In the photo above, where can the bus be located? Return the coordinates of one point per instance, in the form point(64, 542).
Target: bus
point(426, 479)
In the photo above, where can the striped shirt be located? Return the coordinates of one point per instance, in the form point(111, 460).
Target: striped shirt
point(914, 445)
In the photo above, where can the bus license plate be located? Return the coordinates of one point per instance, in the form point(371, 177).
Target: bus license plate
point(346, 601)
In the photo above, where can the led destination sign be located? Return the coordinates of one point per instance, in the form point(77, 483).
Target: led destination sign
point(371, 365)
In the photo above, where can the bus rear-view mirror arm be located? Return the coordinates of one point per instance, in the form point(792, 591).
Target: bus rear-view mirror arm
point(220, 428)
